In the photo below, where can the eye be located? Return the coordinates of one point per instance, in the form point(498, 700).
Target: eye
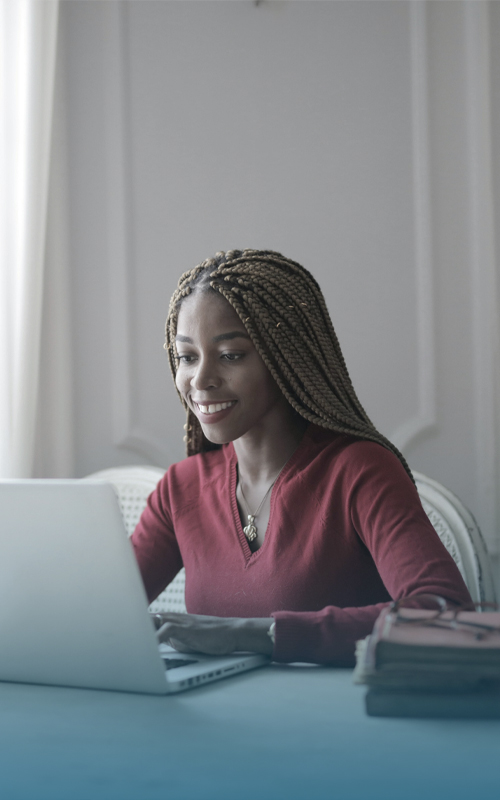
point(185, 359)
point(232, 356)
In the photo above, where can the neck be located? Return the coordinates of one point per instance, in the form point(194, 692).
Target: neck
point(263, 454)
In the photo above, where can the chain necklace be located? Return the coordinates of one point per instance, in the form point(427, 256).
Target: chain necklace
point(250, 530)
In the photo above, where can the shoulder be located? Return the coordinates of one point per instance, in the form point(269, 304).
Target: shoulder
point(186, 479)
point(353, 460)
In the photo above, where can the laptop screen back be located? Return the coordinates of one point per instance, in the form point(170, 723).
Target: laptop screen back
point(72, 605)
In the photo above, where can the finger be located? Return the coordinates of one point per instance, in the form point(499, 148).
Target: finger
point(181, 647)
point(175, 616)
point(170, 633)
point(164, 633)
point(157, 620)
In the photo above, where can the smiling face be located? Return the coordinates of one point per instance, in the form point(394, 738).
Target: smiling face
point(220, 374)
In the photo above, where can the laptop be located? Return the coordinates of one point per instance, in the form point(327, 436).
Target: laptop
point(73, 610)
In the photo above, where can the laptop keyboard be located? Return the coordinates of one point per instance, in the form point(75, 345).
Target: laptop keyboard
point(172, 663)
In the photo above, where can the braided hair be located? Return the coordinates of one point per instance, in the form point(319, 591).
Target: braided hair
point(285, 315)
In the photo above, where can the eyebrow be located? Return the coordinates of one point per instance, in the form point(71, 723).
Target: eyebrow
point(222, 337)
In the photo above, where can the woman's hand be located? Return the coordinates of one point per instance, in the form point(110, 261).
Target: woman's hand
point(196, 633)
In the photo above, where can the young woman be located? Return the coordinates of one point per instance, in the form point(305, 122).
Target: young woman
point(295, 519)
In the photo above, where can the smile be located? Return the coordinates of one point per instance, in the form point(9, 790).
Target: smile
point(214, 407)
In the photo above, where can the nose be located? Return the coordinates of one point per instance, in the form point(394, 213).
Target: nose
point(204, 375)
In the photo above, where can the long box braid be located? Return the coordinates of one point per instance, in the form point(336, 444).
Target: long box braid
point(284, 312)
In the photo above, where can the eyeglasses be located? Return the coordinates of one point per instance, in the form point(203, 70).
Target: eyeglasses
point(438, 613)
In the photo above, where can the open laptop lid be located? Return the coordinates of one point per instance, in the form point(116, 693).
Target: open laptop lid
point(72, 604)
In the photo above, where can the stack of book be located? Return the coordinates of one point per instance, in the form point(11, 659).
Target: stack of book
point(417, 663)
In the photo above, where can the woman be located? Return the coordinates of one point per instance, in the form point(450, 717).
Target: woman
point(295, 518)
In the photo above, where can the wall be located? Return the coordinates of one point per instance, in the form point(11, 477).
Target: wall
point(354, 137)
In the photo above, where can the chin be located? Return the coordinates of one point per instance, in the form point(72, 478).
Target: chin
point(217, 438)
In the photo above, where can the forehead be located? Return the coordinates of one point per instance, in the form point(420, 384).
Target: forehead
point(208, 311)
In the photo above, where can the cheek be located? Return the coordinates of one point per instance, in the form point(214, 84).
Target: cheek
point(269, 387)
point(180, 382)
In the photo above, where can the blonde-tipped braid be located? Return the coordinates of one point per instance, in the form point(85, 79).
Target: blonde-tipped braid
point(283, 309)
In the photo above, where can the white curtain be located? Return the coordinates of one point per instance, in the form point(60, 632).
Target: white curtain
point(28, 34)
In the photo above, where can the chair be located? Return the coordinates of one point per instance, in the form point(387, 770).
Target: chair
point(459, 532)
point(133, 486)
point(453, 523)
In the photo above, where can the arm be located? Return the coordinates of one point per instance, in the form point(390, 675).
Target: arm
point(386, 514)
point(155, 545)
point(159, 560)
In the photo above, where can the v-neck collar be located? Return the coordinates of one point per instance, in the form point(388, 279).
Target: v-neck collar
point(231, 482)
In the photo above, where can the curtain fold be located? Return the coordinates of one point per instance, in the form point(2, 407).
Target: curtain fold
point(28, 39)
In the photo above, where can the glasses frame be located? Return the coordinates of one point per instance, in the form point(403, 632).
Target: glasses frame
point(437, 620)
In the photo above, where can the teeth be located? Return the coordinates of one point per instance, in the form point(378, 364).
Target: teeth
point(213, 408)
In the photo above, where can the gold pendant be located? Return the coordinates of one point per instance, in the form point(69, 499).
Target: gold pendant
point(250, 530)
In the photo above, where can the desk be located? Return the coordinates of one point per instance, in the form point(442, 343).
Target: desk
point(281, 732)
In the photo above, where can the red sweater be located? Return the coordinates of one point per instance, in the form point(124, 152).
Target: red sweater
point(347, 533)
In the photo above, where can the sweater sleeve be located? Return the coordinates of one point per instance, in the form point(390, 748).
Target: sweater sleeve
point(155, 545)
point(386, 514)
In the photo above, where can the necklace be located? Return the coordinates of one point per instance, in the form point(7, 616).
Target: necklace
point(250, 530)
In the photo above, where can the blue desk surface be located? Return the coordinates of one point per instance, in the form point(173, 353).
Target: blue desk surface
point(279, 732)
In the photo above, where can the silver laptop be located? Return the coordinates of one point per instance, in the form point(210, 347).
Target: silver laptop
point(73, 610)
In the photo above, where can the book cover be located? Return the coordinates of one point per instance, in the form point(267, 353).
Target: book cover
point(481, 703)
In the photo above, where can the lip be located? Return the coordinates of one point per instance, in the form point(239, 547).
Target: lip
point(208, 419)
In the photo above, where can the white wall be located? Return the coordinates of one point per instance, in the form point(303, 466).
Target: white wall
point(355, 137)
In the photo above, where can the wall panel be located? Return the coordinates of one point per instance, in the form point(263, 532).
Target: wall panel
point(342, 134)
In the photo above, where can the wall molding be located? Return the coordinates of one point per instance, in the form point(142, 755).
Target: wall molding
point(128, 433)
point(484, 286)
point(424, 422)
